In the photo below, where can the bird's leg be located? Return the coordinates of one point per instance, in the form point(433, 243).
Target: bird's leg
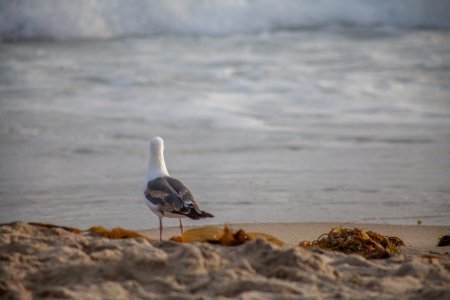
point(160, 229)
point(181, 226)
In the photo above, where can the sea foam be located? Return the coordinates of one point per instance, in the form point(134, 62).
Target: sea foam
point(99, 19)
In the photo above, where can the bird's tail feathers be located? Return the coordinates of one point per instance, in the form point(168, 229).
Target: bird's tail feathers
point(195, 215)
point(206, 215)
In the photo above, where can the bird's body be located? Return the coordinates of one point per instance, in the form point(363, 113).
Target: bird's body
point(165, 195)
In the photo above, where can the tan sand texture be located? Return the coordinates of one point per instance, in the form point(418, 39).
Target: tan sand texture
point(38, 263)
point(419, 239)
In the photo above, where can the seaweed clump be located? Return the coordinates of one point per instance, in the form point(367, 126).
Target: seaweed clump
point(46, 225)
point(116, 233)
point(444, 241)
point(369, 244)
point(225, 236)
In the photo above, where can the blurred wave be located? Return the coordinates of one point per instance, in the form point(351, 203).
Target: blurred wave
point(99, 19)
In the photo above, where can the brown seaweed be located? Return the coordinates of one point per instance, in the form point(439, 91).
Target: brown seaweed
point(444, 241)
point(223, 236)
point(45, 225)
point(369, 244)
point(116, 233)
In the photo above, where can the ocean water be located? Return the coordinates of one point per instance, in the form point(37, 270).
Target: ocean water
point(271, 111)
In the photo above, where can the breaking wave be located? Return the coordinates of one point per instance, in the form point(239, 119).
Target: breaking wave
point(92, 19)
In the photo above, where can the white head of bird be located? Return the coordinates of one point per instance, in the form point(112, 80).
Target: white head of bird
point(156, 164)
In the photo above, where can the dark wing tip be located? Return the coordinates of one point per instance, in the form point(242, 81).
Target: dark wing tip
point(207, 215)
point(195, 215)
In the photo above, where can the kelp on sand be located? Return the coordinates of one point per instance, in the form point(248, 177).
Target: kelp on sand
point(223, 236)
point(369, 244)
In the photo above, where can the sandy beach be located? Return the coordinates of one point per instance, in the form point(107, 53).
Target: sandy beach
point(38, 263)
point(271, 112)
point(419, 239)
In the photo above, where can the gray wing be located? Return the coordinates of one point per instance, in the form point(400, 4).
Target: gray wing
point(171, 196)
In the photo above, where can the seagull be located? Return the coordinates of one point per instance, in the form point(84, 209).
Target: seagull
point(165, 195)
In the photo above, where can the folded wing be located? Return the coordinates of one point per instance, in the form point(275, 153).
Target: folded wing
point(172, 196)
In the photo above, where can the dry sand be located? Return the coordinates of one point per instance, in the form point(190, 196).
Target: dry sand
point(53, 263)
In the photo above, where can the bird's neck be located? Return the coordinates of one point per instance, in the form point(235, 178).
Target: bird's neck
point(156, 166)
